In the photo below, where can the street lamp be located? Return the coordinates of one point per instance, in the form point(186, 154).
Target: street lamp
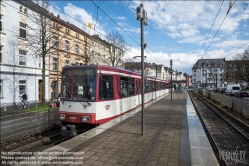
point(171, 63)
point(57, 45)
point(142, 16)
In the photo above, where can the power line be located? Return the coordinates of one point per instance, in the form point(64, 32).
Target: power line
point(120, 27)
point(237, 49)
point(230, 6)
point(115, 22)
point(211, 27)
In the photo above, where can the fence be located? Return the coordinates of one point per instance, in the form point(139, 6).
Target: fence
point(16, 126)
point(233, 103)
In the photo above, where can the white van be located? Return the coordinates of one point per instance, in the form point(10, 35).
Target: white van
point(232, 89)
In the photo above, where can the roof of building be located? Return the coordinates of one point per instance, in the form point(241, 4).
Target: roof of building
point(209, 63)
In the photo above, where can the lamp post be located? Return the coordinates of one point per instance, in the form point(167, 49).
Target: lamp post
point(142, 16)
point(171, 63)
point(57, 45)
point(206, 79)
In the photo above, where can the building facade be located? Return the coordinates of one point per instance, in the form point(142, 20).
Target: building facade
point(20, 66)
point(209, 73)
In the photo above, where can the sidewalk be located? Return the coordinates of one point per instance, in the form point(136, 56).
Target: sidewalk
point(164, 142)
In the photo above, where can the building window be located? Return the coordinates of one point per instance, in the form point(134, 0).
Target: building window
point(55, 64)
point(25, 11)
point(76, 48)
point(93, 54)
point(40, 35)
point(85, 50)
point(77, 35)
point(85, 39)
point(98, 56)
point(23, 30)
point(22, 57)
point(92, 43)
point(22, 86)
point(1, 58)
point(21, 8)
point(1, 23)
point(55, 41)
point(66, 62)
point(40, 62)
point(67, 45)
point(1, 89)
point(67, 31)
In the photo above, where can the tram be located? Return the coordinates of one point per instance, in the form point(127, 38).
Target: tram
point(95, 94)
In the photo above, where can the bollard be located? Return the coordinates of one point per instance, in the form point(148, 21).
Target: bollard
point(4, 106)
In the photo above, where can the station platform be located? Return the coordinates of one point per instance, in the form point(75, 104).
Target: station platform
point(173, 135)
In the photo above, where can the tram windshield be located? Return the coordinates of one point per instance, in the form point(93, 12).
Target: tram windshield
point(79, 84)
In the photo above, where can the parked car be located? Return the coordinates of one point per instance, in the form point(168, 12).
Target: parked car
point(210, 89)
point(222, 90)
point(242, 93)
point(232, 89)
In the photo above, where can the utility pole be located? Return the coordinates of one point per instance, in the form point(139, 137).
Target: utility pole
point(142, 16)
point(171, 63)
point(57, 82)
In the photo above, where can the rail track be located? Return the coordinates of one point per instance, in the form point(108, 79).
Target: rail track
point(228, 135)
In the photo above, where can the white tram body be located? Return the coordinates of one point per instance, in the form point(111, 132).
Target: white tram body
point(114, 91)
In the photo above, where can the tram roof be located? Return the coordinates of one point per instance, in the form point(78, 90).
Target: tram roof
point(112, 68)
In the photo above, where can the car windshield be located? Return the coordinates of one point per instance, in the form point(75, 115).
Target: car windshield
point(79, 84)
point(236, 88)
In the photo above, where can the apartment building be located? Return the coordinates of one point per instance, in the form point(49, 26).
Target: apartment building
point(209, 73)
point(72, 46)
point(20, 66)
point(69, 46)
point(100, 51)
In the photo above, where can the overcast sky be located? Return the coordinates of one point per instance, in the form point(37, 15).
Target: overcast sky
point(176, 30)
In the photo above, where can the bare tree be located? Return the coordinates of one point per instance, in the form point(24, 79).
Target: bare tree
point(118, 48)
point(39, 37)
point(238, 69)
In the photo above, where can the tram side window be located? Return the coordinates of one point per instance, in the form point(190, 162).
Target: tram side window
point(123, 87)
point(152, 88)
point(147, 86)
point(106, 87)
point(131, 87)
point(137, 87)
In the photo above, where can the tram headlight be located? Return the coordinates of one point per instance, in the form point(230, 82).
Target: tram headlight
point(85, 119)
point(62, 116)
